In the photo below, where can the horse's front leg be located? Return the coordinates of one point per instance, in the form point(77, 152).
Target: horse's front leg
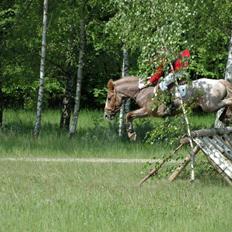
point(140, 113)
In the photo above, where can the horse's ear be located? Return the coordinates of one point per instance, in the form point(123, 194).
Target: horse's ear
point(110, 85)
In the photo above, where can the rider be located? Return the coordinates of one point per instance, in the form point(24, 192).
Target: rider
point(175, 72)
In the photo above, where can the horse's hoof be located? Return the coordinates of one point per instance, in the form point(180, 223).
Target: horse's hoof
point(132, 136)
point(219, 124)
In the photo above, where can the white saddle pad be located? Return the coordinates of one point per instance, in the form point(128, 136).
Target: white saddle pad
point(181, 91)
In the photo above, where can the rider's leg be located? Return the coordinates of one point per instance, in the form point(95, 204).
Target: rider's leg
point(168, 107)
point(170, 78)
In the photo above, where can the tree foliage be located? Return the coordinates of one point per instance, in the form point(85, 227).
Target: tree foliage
point(149, 30)
point(157, 26)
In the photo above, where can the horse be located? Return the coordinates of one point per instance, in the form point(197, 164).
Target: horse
point(215, 94)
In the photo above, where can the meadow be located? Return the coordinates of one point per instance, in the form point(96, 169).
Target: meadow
point(96, 137)
point(93, 197)
point(54, 196)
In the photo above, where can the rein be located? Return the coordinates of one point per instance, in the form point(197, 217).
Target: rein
point(127, 96)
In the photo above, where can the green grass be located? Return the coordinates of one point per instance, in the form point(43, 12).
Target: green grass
point(39, 196)
point(83, 197)
point(96, 137)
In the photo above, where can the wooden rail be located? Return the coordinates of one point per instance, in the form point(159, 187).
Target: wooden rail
point(215, 143)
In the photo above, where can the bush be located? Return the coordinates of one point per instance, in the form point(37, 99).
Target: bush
point(169, 130)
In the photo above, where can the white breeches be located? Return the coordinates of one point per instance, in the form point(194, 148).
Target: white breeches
point(169, 79)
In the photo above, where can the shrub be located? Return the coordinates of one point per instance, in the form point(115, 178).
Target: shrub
point(169, 130)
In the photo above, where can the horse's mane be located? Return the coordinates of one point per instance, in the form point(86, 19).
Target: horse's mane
point(124, 80)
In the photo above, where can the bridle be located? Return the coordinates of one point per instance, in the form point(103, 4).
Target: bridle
point(114, 109)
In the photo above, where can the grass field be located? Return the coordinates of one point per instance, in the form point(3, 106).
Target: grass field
point(53, 196)
point(84, 197)
point(96, 137)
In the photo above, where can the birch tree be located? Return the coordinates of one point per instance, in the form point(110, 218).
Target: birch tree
point(228, 72)
point(126, 105)
point(42, 69)
point(66, 103)
point(1, 104)
point(67, 27)
point(73, 127)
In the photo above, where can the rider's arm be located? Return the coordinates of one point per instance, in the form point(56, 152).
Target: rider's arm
point(157, 75)
point(182, 61)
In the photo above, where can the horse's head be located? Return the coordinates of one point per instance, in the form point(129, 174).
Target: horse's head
point(113, 101)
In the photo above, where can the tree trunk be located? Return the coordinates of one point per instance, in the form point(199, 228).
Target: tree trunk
point(73, 127)
point(42, 66)
point(126, 105)
point(66, 104)
point(1, 103)
point(228, 72)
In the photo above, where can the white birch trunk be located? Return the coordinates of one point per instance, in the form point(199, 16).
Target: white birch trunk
point(74, 125)
point(42, 67)
point(228, 72)
point(126, 105)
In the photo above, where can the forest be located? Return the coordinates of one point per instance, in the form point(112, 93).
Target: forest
point(109, 27)
point(62, 166)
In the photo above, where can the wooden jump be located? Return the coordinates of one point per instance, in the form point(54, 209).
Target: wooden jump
point(215, 143)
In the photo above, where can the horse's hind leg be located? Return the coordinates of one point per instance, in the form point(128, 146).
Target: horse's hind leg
point(220, 115)
point(225, 103)
point(227, 116)
point(140, 113)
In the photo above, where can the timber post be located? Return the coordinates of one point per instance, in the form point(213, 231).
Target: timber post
point(216, 145)
point(192, 155)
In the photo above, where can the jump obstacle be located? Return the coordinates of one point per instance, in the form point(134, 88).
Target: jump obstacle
point(216, 145)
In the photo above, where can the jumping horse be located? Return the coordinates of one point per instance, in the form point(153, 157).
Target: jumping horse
point(214, 95)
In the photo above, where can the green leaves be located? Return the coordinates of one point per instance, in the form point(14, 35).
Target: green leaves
point(168, 131)
point(100, 95)
point(150, 29)
point(151, 26)
point(6, 19)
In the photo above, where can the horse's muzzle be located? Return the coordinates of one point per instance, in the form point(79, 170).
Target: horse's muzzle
point(109, 115)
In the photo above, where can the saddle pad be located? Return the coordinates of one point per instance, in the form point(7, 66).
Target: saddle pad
point(181, 91)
